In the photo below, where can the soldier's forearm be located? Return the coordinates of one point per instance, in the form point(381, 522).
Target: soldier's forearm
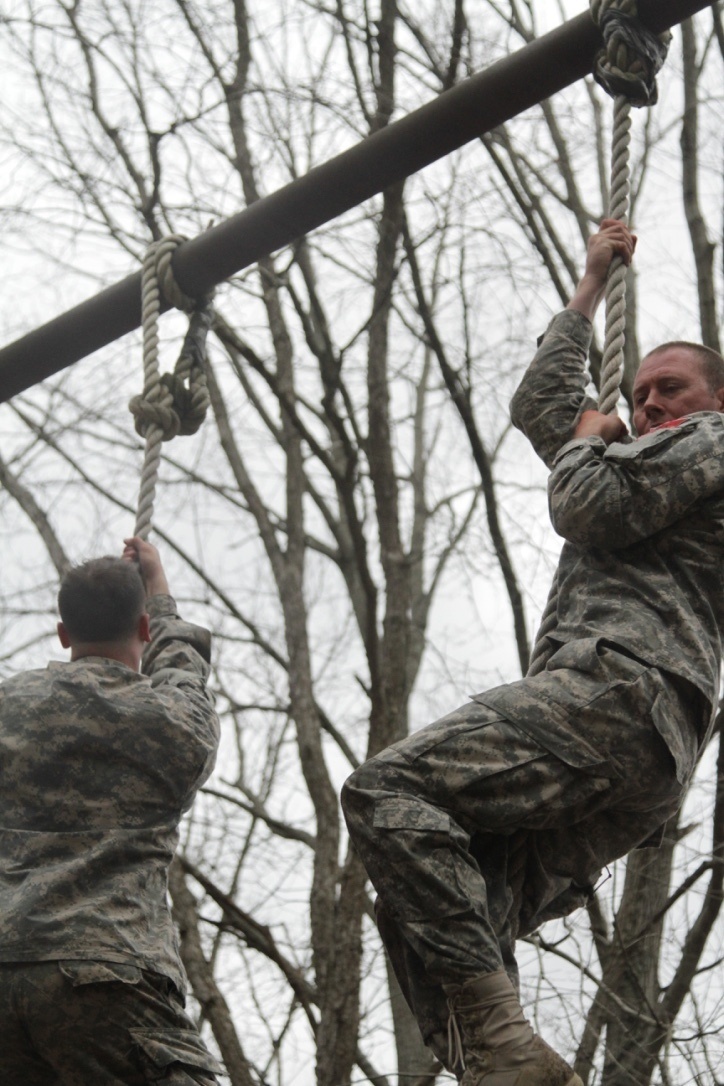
point(587, 296)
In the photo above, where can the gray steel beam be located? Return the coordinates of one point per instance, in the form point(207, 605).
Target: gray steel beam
point(466, 111)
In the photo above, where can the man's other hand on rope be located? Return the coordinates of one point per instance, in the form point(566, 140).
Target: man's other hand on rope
point(593, 424)
point(614, 239)
point(149, 563)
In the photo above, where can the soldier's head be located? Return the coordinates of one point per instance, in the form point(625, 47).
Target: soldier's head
point(674, 380)
point(102, 605)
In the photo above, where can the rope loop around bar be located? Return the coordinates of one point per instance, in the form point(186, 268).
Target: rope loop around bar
point(632, 54)
point(171, 403)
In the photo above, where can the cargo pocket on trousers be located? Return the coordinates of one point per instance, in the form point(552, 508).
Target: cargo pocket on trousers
point(176, 1057)
point(429, 873)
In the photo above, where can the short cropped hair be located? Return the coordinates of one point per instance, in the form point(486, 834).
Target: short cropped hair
point(101, 600)
point(711, 362)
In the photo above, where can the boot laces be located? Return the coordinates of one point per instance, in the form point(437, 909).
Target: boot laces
point(455, 1044)
point(455, 1050)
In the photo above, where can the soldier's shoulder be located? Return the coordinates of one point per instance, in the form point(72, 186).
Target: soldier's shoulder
point(32, 679)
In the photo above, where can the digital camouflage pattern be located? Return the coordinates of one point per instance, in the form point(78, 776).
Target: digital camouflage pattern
point(499, 816)
point(80, 1023)
point(643, 521)
point(98, 764)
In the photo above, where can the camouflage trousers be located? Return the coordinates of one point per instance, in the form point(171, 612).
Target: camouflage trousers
point(472, 832)
point(84, 1023)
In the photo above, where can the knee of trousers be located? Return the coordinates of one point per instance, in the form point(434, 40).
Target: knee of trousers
point(363, 788)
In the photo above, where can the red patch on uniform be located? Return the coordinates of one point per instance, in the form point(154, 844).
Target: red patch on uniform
point(669, 425)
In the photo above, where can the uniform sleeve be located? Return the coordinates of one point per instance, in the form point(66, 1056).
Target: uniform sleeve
point(551, 397)
point(177, 661)
point(612, 497)
point(175, 645)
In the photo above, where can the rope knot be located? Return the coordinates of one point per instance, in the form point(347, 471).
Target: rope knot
point(172, 403)
point(632, 55)
point(160, 414)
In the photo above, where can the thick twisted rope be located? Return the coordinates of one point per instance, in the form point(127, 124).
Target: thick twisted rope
point(626, 67)
point(172, 403)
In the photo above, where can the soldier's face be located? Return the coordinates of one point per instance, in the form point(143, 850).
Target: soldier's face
point(670, 385)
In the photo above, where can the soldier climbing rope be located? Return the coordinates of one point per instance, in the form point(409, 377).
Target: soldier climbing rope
point(626, 68)
point(502, 814)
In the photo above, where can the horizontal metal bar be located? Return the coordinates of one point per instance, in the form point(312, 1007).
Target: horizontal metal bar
point(466, 111)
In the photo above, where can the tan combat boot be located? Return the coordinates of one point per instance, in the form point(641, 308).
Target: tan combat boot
point(492, 1041)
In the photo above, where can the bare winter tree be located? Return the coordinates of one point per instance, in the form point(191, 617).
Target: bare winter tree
point(356, 522)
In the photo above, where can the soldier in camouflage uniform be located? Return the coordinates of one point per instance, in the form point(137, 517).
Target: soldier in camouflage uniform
point(500, 815)
point(98, 763)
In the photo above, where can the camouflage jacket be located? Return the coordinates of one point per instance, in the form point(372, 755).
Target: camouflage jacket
point(97, 765)
point(643, 524)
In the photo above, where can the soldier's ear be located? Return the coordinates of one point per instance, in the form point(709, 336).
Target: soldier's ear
point(63, 635)
point(144, 627)
point(720, 398)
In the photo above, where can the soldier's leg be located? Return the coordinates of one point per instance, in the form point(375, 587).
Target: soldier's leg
point(611, 781)
point(409, 815)
point(109, 1025)
point(416, 847)
point(427, 999)
point(20, 1064)
point(411, 811)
